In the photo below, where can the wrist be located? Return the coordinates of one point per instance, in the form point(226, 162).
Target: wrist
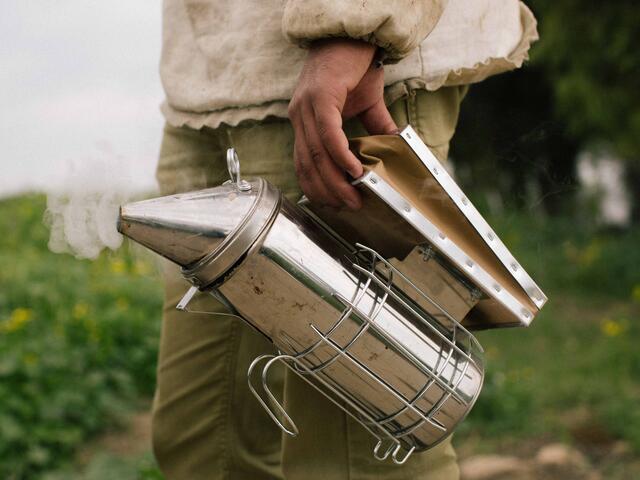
point(340, 46)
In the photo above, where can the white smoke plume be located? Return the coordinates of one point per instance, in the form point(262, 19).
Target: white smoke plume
point(82, 213)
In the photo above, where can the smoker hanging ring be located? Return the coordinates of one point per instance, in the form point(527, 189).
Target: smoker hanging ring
point(233, 166)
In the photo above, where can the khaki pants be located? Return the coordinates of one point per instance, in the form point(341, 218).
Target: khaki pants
point(206, 424)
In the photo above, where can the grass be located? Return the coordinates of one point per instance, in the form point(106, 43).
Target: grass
point(106, 466)
point(574, 374)
point(78, 344)
point(579, 356)
point(78, 341)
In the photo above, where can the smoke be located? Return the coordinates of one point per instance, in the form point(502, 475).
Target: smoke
point(83, 211)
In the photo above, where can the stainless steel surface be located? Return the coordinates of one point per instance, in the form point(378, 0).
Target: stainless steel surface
point(186, 299)
point(193, 229)
point(346, 328)
point(379, 226)
point(186, 227)
point(233, 166)
point(215, 264)
point(459, 258)
point(437, 215)
point(431, 274)
point(474, 217)
point(342, 317)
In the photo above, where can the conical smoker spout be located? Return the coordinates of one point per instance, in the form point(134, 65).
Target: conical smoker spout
point(184, 228)
point(216, 225)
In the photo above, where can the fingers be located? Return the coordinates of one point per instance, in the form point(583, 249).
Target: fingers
point(331, 174)
point(321, 177)
point(322, 152)
point(377, 119)
point(307, 172)
point(337, 81)
point(328, 122)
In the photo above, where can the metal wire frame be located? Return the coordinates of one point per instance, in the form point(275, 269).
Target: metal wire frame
point(338, 395)
point(314, 374)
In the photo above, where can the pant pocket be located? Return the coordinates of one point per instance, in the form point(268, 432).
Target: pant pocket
point(434, 115)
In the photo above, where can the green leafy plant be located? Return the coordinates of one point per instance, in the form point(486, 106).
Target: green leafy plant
point(78, 341)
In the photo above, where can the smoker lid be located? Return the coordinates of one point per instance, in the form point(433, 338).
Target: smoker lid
point(417, 202)
point(207, 231)
point(248, 229)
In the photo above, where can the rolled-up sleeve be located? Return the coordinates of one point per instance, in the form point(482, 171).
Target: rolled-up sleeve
point(397, 26)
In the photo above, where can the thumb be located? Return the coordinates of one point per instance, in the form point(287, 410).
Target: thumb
point(377, 119)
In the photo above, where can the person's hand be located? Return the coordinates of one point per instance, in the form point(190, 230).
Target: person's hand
point(338, 81)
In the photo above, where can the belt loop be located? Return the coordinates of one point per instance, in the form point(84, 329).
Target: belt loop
point(412, 110)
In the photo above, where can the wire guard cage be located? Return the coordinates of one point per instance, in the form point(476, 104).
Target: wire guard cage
point(458, 354)
point(388, 351)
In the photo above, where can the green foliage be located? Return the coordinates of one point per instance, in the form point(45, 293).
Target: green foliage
point(580, 354)
point(108, 467)
point(572, 255)
point(520, 133)
point(588, 51)
point(78, 341)
point(576, 357)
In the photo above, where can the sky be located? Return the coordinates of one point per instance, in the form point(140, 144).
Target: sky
point(79, 86)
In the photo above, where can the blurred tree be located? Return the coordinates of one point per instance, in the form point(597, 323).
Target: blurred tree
point(514, 144)
point(521, 131)
point(590, 51)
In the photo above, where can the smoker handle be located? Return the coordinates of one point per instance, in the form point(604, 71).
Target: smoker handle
point(391, 448)
point(271, 405)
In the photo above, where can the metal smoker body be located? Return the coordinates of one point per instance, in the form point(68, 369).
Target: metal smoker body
point(344, 327)
point(341, 316)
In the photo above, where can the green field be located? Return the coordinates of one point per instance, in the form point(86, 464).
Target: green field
point(78, 342)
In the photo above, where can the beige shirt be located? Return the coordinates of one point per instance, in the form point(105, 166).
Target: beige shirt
point(225, 61)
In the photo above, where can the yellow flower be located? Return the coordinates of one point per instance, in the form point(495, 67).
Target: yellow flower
point(141, 268)
point(635, 293)
point(491, 352)
point(18, 319)
point(585, 256)
point(58, 330)
point(92, 329)
point(30, 359)
point(122, 303)
point(611, 328)
point(80, 310)
point(590, 253)
point(26, 210)
point(118, 266)
point(527, 373)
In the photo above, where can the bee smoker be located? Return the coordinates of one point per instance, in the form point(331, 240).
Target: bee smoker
point(371, 309)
